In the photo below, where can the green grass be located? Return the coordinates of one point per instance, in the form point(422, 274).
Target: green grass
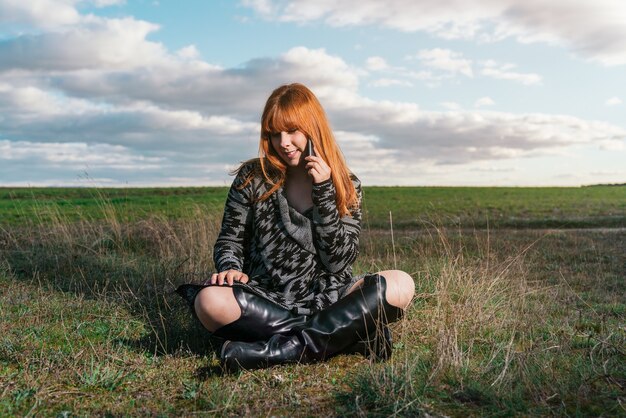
point(412, 207)
point(535, 207)
point(506, 321)
point(20, 205)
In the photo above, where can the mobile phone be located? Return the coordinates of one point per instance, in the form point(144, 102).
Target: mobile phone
point(310, 147)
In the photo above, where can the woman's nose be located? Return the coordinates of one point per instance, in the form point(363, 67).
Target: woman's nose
point(285, 138)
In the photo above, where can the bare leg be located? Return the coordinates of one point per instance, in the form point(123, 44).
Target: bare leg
point(400, 287)
point(216, 306)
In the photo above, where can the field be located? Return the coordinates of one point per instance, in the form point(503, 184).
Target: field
point(520, 307)
point(522, 207)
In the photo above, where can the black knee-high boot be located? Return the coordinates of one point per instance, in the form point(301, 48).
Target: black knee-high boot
point(355, 318)
point(260, 318)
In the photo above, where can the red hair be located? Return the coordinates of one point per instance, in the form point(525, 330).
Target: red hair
point(295, 107)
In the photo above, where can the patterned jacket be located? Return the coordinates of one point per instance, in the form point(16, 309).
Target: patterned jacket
point(301, 261)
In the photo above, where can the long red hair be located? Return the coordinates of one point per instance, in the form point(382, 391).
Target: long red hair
point(295, 107)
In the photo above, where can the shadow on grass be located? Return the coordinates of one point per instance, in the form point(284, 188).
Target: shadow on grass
point(175, 335)
point(205, 373)
point(130, 271)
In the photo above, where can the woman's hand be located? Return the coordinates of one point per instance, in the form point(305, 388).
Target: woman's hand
point(228, 277)
point(317, 168)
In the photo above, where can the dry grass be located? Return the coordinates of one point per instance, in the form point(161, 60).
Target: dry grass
point(497, 328)
point(504, 323)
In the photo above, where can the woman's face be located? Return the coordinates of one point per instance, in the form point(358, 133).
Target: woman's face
point(290, 146)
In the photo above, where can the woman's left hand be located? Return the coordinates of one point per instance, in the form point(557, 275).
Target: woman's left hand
point(227, 277)
point(317, 168)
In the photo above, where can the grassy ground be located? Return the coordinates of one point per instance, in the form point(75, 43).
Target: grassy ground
point(499, 207)
point(412, 207)
point(506, 321)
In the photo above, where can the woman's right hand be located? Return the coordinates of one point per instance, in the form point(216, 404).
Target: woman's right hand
point(228, 277)
point(317, 169)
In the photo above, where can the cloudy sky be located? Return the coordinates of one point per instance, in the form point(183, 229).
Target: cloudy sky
point(419, 92)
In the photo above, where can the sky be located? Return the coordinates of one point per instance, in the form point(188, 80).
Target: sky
point(418, 92)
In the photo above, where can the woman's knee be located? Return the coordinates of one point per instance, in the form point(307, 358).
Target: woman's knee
point(400, 287)
point(216, 306)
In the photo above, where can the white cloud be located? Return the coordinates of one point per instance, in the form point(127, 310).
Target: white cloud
point(493, 169)
point(197, 85)
point(45, 14)
point(161, 112)
point(445, 60)
point(611, 173)
point(451, 106)
point(98, 93)
point(376, 64)
point(592, 29)
point(447, 64)
point(189, 52)
point(504, 72)
point(389, 82)
point(484, 101)
point(33, 114)
point(402, 76)
point(105, 3)
point(360, 150)
point(100, 44)
point(463, 136)
point(612, 144)
point(613, 101)
point(264, 7)
point(308, 62)
point(29, 104)
point(39, 13)
point(76, 155)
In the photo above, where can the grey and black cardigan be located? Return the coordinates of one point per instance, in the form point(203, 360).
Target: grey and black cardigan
point(301, 261)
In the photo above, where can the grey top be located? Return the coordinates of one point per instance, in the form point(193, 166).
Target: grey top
point(301, 261)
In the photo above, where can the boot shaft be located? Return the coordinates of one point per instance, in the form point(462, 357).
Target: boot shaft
point(342, 326)
point(260, 318)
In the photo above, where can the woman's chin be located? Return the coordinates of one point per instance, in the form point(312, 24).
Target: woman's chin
point(293, 163)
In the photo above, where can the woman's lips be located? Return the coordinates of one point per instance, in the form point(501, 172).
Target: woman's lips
point(291, 154)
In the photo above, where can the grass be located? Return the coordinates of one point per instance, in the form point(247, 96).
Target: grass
point(505, 322)
point(518, 207)
point(20, 205)
point(473, 207)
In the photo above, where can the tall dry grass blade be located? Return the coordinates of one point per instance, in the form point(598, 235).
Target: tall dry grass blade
point(393, 243)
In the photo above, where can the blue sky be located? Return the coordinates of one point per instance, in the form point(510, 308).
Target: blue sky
point(419, 92)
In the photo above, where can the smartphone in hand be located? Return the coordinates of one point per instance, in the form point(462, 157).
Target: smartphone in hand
point(310, 150)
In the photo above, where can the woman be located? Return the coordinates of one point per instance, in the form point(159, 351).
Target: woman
point(284, 291)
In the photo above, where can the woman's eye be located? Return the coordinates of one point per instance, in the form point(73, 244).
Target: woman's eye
point(292, 131)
